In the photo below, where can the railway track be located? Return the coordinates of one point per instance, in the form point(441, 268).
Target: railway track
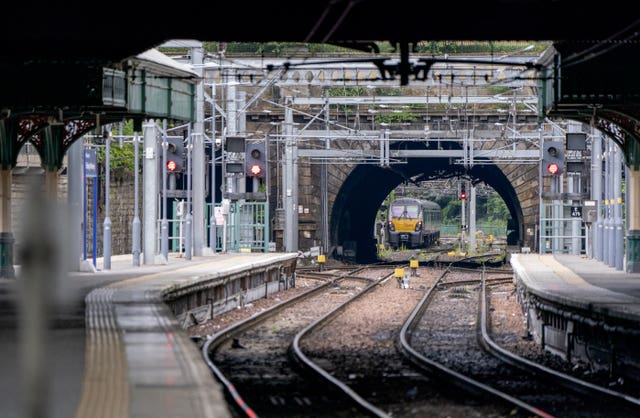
point(484, 369)
point(339, 350)
point(371, 366)
point(253, 362)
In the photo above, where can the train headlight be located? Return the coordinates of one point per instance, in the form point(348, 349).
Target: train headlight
point(418, 226)
point(391, 227)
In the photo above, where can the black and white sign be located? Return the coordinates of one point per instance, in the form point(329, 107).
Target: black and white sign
point(576, 211)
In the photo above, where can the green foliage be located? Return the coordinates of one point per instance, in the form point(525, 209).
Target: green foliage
point(451, 212)
point(402, 116)
point(122, 159)
point(275, 48)
point(497, 211)
point(478, 47)
point(347, 91)
point(385, 91)
point(490, 211)
point(386, 48)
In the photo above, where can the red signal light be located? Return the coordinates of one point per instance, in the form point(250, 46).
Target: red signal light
point(172, 165)
point(255, 169)
point(553, 168)
point(463, 195)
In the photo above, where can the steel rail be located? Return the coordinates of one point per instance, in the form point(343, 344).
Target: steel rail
point(444, 372)
point(214, 341)
point(568, 381)
point(308, 364)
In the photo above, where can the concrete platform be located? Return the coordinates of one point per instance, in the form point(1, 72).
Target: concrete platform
point(580, 282)
point(582, 310)
point(114, 347)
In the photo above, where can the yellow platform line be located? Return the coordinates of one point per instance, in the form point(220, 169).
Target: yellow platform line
point(105, 386)
point(196, 267)
point(565, 273)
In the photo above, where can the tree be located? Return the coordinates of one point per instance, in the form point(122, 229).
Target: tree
point(497, 210)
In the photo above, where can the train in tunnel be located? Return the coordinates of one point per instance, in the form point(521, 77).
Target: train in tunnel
point(413, 223)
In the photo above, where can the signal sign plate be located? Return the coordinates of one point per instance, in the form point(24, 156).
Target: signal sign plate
point(576, 211)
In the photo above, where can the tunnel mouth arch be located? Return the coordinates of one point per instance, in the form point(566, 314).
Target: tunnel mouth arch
point(353, 215)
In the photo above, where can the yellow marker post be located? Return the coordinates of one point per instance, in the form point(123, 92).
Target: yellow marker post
point(321, 260)
point(413, 264)
point(399, 275)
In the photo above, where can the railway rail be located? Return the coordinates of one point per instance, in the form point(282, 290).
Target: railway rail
point(255, 352)
point(339, 350)
point(485, 369)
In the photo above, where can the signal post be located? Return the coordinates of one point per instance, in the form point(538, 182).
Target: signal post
point(551, 168)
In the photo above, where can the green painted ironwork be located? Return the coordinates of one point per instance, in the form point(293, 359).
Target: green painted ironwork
point(6, 255)
point(632, 152)
point(9, 145)
point(159, 96)
point(247, 227)
point(53, 148)
point(114, 91)
point(633, 251)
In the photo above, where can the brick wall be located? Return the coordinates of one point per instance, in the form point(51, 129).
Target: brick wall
point(121, 206)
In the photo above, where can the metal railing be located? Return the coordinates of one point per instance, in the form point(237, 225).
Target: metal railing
point(560, 232)
point(246, 227)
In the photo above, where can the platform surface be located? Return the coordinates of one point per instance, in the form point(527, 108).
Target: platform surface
point(112, 348)
point(581, 282)
point(113, 351)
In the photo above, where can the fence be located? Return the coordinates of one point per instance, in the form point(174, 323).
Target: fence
point(561, 229)
point(246, 227)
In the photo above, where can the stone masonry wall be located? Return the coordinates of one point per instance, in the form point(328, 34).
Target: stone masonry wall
point(121, 207)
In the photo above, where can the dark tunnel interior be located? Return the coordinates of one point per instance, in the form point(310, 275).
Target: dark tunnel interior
point(354, 211)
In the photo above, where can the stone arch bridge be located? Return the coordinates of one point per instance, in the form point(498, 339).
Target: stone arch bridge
point(343, 176)
point(346, 153)
point(347, 159)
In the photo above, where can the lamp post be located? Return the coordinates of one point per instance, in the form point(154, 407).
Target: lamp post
point(164, 224)
point(135, 228)
point(212, 220)
point(188, 218)
point(106, 237)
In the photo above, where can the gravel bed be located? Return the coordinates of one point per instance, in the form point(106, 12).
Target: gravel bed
point(367, 337)
point(222, 321)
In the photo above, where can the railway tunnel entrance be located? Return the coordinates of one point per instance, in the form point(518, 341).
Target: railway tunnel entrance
point(354, 211)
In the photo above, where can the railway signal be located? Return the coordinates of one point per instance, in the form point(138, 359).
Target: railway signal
point(255, 159)
point(552, 158)
point(175, 155)
point(463, 195)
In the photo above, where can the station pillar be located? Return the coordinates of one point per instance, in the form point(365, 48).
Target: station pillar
point(6, 236)
point(8, 155)
point(633, 234)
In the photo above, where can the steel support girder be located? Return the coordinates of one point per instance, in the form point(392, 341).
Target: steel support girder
point(532, 154)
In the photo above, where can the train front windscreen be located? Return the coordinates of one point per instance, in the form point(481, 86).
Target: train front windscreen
point(404, 211)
